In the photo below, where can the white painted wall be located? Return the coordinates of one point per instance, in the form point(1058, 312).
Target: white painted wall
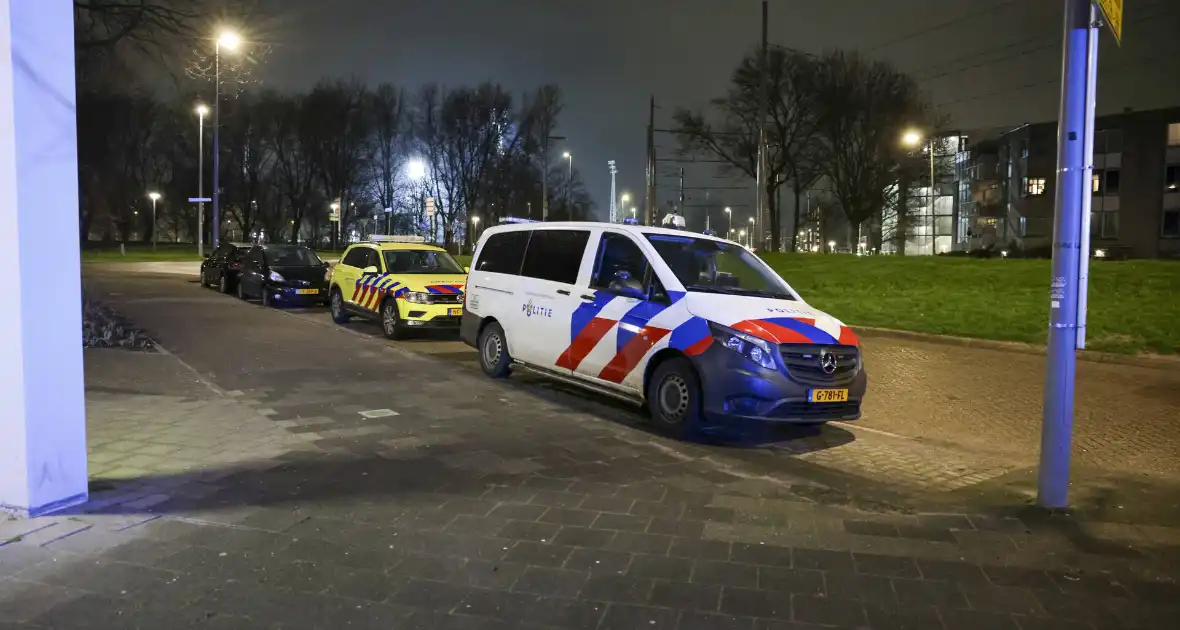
point(42, 404)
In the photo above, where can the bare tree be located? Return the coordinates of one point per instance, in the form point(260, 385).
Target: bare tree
point(463, 134)
point(863, 108)
point(286, 132)
point(731, 131)
point(339, 141)
point(387, 108)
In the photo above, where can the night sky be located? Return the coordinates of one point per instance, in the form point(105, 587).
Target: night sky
point(609, 56)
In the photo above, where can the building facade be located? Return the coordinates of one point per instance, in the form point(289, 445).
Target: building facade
point(1007, 187)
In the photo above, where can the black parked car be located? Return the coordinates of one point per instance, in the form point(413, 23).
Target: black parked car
point(221, 267)
point(283, 274)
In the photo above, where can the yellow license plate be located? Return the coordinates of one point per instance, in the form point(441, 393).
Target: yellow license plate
point(828, 395)
point(307, 291)
point(455, 312)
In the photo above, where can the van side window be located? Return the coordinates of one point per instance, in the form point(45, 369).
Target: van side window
point(503, 252)
point(555, 255)
point(619, 259)
point(355, 257)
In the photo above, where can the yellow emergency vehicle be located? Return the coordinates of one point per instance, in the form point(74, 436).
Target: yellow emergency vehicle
point(400, 281)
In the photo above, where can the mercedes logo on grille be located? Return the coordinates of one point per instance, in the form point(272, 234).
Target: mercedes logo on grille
point(827, 361)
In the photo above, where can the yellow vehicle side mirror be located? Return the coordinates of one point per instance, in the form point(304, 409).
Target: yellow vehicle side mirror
point(467, 270)
point(370, 270)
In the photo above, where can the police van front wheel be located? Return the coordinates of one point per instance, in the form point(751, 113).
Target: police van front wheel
point(493, 351)
point(674, 397)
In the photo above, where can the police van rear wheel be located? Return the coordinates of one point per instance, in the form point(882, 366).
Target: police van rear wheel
point(336, 303)
point(493, 351)
point(390, 322)
point(674, 397)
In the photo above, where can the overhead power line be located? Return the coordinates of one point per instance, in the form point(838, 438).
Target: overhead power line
point(941, 25)
point(950, 68)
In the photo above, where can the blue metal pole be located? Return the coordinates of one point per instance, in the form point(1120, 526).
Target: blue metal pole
point(1072, 183)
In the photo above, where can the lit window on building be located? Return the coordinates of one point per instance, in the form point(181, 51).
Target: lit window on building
point(1174, 134)
point(1105, 182)
point(1034, 186)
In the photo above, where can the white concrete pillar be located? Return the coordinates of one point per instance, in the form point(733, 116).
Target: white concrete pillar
point(42, 401)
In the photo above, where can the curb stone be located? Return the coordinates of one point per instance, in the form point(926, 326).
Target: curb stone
point(1156, 361)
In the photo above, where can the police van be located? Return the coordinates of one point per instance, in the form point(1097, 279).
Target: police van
point(697, 328)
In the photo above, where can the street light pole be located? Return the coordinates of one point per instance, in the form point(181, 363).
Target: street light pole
point(230, 41)
point(569, 186)
point(201, 111)
point(728, 221)
point(154, 196)
point(1073, 186)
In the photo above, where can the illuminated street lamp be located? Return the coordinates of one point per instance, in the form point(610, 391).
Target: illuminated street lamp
point(831, 246)
point(154, 196)
point(913, 139)
point(230, 41)
point(728, 220)
point(569, 187)
point(202, 111)
point(415, 169)
point(474, 232)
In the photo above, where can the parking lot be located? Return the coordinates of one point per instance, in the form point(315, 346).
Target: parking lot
point(939, 419)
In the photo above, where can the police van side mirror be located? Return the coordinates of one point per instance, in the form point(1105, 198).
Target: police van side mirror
point(370, 270)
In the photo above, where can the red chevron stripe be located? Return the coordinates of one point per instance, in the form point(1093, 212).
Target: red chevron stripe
point(587, 338)
point(847, 337)
point(770, 332)
point(700, 346)
point(632, 353)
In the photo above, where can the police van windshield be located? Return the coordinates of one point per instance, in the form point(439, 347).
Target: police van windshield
point(420, 261)
point(708, 266)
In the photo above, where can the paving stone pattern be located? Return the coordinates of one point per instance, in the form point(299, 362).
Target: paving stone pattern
point(500, 505)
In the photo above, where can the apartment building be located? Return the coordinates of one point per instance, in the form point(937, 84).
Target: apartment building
point(1006, 187)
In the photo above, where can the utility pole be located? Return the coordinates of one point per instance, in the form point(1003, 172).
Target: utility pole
point(1074, 165)
point(613, 198)
point(763, 106)
point(545, 174)
point(649, 201)
point(680, 207)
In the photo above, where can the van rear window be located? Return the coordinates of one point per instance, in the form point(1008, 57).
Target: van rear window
point(503, 253)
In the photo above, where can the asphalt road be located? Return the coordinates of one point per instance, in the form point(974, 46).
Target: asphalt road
point(940, 422)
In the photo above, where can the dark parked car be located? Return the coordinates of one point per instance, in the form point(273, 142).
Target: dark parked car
point(221, 266)
point(283, 274)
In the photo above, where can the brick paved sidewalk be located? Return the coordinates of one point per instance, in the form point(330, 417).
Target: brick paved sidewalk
point(309, 501)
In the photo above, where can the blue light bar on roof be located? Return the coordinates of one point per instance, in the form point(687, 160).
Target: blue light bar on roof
point(709, 233)
point(517, 220)
point(630, 221)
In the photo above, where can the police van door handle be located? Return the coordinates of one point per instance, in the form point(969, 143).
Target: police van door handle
point(563, 292)
point(588, 298)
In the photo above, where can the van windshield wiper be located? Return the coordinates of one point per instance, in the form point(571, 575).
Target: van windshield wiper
point(700, 288)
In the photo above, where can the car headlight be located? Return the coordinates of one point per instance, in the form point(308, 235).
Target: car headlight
point(749, 346)
point(276, 277)
point(416, 297)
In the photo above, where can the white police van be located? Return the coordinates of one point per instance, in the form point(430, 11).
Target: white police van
point(696, 327)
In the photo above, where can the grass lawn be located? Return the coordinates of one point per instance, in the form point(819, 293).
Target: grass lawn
point(141, 253)
point(1133, 306)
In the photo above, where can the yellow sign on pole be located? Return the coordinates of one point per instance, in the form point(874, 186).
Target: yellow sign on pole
point(1112, 10)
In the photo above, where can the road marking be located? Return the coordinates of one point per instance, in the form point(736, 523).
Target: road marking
point(860, 427)
point(378, 413)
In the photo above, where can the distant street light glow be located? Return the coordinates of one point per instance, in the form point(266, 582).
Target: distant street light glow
point(202, 110)
point(229, 40)
point(911, 138)
point(154, 196)
point(416, 169)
